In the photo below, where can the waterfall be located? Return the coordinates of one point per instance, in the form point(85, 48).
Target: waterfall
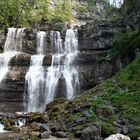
point(35, 78)
point(62, 68)
point(1, 128)
point(12, 47)
point(61, 79)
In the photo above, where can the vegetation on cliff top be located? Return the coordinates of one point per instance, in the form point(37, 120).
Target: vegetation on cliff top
point(27, 13)
point(32, 13)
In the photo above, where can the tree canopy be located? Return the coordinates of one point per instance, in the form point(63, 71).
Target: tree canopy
point(30, 12)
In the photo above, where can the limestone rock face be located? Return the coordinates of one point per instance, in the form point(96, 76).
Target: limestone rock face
point(132, 18)
point(2, 39)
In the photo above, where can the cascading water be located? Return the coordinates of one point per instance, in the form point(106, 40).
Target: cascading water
point(62, 67)
point(12, 47)
point(35, 78)
point(1, 128)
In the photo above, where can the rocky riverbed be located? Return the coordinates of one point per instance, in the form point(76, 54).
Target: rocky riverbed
point(37, 126)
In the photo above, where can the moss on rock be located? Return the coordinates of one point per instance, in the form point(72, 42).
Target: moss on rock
point(115, 99)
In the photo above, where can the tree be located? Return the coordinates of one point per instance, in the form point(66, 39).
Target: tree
point(19, 13)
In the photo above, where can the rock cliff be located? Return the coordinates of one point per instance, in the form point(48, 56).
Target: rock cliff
point(93, 46)
point(93, 63)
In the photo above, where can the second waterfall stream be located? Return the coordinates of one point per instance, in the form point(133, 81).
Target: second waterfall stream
point(61, 78)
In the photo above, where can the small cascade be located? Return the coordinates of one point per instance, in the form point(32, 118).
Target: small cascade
point(35, 78)
point(20, 122)
point(1, 128)
point(62, 69)
point(12, 47)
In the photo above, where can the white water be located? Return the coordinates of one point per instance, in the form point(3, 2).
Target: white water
point(35, 77)
point(1, 128)
point(62, 66)
point(20, 122)
point(116, 3)
point(12, 47)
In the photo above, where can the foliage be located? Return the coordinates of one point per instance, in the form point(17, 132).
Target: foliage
point(82, 9)
point(103, 60)
point(31, 12)
point(115, 99)
point(34, 138)
point(63, 11)
point(130, 3)
point(126, 43)
point(107, 129)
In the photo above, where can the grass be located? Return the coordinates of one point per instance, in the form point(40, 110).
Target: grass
point(117, 98)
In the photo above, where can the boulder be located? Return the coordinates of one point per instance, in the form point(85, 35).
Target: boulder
point(61, 134)
point(78, 134)
point(35, 126)
point(45, 134)
point(118, 137)
point(44, 127)
point(91, 133)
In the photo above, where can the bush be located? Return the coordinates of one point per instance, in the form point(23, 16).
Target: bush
point(126, 43)
point(25, 13)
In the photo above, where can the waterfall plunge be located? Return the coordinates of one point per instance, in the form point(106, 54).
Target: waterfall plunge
point(12, 47)
point(35, 78)
point(37, 94)
point(62, 67)
point(1, 128)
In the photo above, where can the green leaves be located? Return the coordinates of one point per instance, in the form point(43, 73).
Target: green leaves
point(126, 43)
point(26, 13)
point(63, 11)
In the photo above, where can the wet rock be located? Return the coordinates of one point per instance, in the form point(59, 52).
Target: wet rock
point(60, 134)
point(91, 133)
point(80, 120)
point(55, 127)
point(125, 130)
point(78, 134)
point(2, 39)
point(87, 114)
point(47, 60)
point(45, 134)
point(123, 126)
point(44, 127)
point(22, 59)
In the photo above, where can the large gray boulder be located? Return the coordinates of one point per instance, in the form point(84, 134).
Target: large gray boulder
point(91, 133)
point(118, 137)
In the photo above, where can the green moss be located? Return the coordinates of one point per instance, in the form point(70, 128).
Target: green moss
point(129, 77)
point(135, 133)
point(97, 102)
point(107, 129)
point(34, 138)
point(82, 9)
point(116, 98)
point(126, 43)
point(111, 119)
